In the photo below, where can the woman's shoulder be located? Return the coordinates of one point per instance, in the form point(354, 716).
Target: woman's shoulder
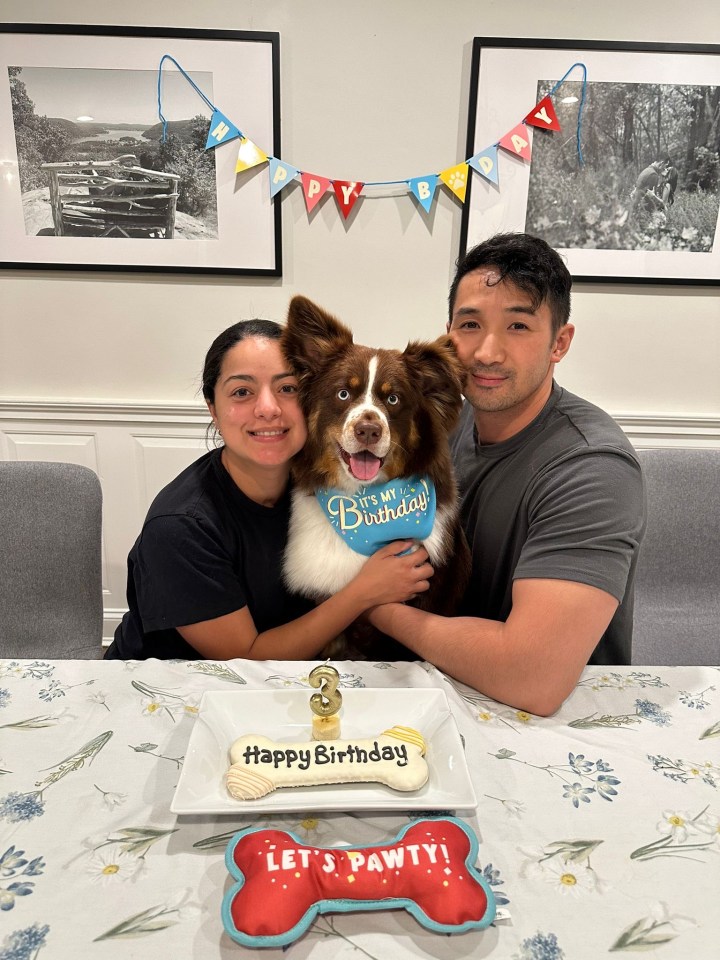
point(190, 493)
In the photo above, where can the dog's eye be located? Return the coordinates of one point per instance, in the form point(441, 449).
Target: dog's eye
point(343, 394)
point(392, 399)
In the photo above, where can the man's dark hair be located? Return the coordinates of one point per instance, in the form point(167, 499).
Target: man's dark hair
point(527, 262)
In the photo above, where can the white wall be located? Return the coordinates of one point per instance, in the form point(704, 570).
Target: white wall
point(372, 89)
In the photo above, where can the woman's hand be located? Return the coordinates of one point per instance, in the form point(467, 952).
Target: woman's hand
point(388, 577)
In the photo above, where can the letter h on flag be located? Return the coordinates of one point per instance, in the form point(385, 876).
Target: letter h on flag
point(221, 131)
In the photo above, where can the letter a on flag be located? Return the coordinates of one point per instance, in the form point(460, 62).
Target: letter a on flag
point(221, 130)
point(314, 188)
point(281, 174)
point(455, 178)
point(249, 155)
point(347, 193)
point(543, 116)
point(517, 142)
point(424, 190)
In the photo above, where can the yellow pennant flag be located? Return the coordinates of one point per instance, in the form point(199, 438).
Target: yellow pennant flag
point(249, 155)
point(456, 178)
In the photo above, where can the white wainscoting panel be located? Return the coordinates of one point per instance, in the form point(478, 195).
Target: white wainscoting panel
point(136, 449)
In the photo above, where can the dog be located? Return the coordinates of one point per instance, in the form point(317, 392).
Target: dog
point(378, 422)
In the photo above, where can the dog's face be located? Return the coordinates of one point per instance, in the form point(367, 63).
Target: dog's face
point(372, 415)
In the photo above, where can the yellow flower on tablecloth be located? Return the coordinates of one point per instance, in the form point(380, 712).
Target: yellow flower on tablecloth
point(522, 716)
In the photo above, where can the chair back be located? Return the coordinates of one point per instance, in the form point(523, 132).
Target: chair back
point(50, 568)
point(677, 583)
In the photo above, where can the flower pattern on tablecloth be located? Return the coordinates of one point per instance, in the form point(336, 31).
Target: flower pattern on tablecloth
point(14, 865)
point(24, 944)
point(130, 860)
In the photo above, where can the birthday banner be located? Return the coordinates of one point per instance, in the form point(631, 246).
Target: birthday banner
point(517, 142)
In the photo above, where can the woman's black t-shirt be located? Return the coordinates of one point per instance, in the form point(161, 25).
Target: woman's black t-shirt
point(205, 550)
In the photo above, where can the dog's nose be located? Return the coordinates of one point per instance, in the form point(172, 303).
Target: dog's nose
point(367, 432)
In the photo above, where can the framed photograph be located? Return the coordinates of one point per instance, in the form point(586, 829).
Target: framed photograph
point(629, 189)
point(87, 180)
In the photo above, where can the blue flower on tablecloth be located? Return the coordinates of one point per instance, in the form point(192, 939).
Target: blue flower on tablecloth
point(542, 946)
point(16, 807)
point(647, 710)
point(606, 786)
point(24, 944)
point(35, 670)
point(602, 767)
point(55, 689)
point(492, 877)
point(695, 701)
point(579, 764)
point(577, 792)
point(12, 861)
point(5, 696)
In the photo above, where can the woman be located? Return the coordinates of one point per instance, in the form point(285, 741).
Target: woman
point(204, 577)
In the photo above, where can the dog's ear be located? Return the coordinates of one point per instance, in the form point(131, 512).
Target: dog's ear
point(435, 367)
point(312, 336)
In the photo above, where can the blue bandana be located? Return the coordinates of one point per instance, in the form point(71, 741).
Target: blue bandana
point(381, 512)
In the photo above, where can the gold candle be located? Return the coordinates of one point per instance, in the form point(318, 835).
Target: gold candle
point(326, 704)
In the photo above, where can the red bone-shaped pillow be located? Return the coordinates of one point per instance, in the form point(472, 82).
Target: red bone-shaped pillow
point(283, 883)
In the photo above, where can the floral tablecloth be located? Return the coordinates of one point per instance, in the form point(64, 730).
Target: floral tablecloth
point(599, 827)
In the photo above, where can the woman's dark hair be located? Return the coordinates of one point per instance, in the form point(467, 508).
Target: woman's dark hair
point(529, 263)
point(264, 329)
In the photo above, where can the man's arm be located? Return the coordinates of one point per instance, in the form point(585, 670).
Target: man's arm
point(531, 661)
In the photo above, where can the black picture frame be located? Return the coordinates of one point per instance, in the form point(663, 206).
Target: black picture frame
point(589, 211)
point(238, 232)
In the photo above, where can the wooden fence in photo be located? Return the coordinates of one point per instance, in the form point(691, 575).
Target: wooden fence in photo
point(112, 198)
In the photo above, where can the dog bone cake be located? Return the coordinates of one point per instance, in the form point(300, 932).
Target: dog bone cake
point(395, 758)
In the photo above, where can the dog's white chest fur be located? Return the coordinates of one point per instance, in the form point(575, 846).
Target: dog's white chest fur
point(318, 562)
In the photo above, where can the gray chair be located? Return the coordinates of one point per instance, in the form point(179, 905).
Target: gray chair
point(677, 586)
point(50, 570)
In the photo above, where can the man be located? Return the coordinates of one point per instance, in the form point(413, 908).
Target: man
point(647, 194)
point(552, 494)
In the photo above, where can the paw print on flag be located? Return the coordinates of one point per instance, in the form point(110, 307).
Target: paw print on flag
point(455, 178)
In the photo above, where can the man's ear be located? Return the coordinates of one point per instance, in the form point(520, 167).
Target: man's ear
point(562, 342)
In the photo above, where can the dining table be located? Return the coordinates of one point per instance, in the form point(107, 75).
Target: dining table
point(598, 827)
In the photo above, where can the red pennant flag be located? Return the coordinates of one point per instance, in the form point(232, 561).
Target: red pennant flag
point(543, 116)
point(517, 142)
point(347, 193)
point(314, 188)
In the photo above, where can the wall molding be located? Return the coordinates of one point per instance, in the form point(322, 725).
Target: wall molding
point(697, 429)
point(138, 447)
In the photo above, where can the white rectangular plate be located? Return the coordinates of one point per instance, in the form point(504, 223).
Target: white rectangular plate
point(285, 715)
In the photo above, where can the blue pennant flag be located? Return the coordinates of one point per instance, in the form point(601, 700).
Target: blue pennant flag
point(424, 190)
point(221, 130)
point(380, 513)
point(281, 174)
point(486, 163)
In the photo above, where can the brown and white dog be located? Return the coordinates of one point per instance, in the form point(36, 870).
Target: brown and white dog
point(373, 416)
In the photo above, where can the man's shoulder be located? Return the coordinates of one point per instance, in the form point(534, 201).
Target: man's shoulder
point(590, 428)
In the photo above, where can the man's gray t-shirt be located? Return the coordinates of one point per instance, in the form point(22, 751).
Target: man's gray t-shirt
point(563, 499)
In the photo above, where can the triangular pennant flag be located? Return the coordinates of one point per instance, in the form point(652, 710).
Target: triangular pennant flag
point(249, 155)
point(281, 174)
point(517, 142)
point(543, 116)
point(486, 164)
point(221, 130)
point(424, 190)
point(347, 193)
point(314, 188)
point(455, 178)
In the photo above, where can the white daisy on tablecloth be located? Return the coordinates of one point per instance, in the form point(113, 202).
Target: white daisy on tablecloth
point(677, 823)
point(110, 865)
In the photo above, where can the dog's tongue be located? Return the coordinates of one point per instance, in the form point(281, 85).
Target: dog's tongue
point(364, 465)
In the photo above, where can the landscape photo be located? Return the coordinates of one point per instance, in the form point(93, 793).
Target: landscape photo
point(92, 161)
